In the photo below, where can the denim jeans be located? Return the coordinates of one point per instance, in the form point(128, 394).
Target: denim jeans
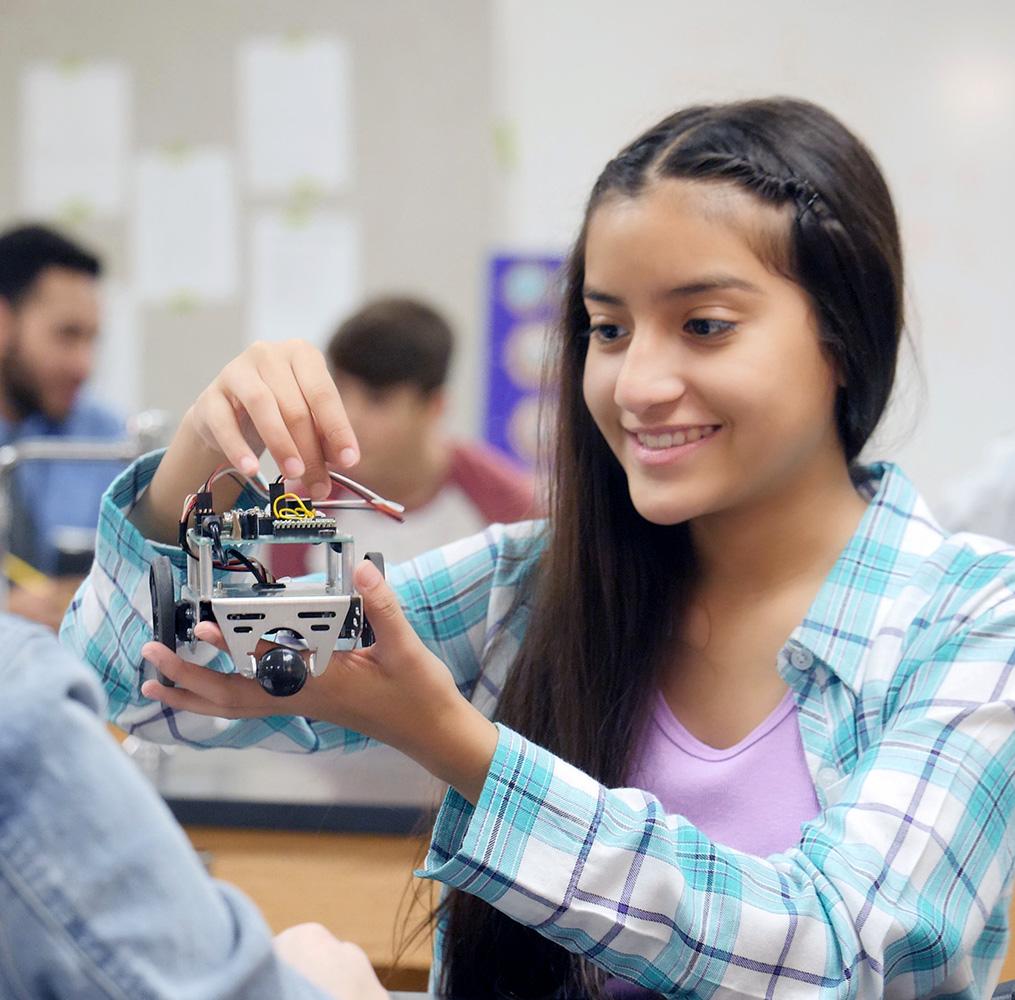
point(101, 895)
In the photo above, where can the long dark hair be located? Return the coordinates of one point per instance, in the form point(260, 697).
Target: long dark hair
point(605, 599)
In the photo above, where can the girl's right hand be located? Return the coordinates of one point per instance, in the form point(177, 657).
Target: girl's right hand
point(280, 396)
point(275, 395)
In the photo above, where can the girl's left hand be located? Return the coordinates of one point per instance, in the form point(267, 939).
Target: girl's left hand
point(395, 691)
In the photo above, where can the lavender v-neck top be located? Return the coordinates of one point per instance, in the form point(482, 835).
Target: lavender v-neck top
point(752, 796)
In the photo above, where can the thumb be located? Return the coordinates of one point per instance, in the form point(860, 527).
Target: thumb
point(210, 632)
point(381, 607)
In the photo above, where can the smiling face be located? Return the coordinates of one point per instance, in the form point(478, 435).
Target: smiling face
point(704, 370)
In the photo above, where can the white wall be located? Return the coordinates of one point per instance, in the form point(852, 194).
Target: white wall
point(420, 107)
point(929, 85)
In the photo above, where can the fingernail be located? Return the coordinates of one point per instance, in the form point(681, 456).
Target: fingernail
point(348, 457)
point(369, 575)
point(293, 468)
point(319, 491)
point(248, 465)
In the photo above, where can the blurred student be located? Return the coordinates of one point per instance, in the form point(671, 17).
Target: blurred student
point(49, 327)
point(390, 361)
point(101, 894)
point(983, 501)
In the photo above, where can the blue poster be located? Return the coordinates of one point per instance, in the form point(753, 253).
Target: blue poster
point(524, 296)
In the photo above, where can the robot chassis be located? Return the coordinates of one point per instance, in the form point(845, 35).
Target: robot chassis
point(299, 616)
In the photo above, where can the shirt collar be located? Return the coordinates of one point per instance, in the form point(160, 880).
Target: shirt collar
point(39, 425)
point(896, 533)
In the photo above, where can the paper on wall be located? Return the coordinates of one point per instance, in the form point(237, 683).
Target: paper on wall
point(184, 238)
point(305, 274)
point(74, 139)
point(117, 376)
point(295, 108)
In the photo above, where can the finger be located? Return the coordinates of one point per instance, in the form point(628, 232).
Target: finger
point(210, 632)
point(222, 431)
point(224, 690)
point(299, 422)
point(245, 386)
point(381, 607)
point(181, 700)
point(340, 445)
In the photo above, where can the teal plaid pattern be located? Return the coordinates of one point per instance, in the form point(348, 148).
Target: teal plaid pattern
point(902, 672)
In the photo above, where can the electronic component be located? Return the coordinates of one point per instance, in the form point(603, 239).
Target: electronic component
point(304, 620)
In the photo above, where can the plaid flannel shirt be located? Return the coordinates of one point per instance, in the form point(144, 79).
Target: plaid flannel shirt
point(902, 673)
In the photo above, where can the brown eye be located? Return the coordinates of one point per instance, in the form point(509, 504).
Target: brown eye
point(705, 329)
point(606, 333)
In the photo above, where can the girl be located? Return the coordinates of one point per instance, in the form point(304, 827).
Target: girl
point(754, 709)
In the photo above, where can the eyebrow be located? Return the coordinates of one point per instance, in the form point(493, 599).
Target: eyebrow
point(706, 283)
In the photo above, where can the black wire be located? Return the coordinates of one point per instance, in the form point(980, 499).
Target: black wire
point(256, 568)
point(214, 531)
point(182, 539)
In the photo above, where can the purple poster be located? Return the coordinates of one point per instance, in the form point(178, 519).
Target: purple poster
point(523, 306)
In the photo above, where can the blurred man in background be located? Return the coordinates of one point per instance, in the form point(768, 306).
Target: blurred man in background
point(390, 361)
point(49, 327)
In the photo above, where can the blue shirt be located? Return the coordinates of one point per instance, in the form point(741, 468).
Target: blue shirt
point(903, 673)
point(101, 895)
point(52, 496)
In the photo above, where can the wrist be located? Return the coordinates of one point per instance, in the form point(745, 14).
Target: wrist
point(461, 748)
point(188, 461)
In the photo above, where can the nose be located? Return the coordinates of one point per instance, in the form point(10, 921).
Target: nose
point(652, 374)
point(80, 359)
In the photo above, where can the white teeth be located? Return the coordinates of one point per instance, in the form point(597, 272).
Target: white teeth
point(675, 438)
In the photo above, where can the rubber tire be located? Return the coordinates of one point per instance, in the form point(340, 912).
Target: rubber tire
point(163, 590)
point(367, 637)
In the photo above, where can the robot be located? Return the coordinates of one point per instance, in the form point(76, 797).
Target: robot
point(246, 601)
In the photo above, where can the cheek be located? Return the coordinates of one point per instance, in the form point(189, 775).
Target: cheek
point(782, 387)
point(598, 387)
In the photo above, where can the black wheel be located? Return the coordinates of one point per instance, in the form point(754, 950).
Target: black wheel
point(367, 637)
point(163, 590)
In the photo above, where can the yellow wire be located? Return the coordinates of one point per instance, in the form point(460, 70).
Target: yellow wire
point(302, 512)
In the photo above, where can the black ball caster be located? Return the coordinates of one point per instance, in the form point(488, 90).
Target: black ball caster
point(281, 672)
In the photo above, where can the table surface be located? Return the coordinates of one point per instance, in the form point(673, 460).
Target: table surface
point(359, 886)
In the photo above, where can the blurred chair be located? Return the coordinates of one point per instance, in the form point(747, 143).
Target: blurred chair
point(145, 432)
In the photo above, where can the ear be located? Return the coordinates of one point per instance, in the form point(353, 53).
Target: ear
point(437, 404)
point(6, 324)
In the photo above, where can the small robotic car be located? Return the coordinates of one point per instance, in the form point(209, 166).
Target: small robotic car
point(299, 617)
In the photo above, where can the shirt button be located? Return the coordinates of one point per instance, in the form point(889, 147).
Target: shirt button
point(827, 777)
point(800, 658)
